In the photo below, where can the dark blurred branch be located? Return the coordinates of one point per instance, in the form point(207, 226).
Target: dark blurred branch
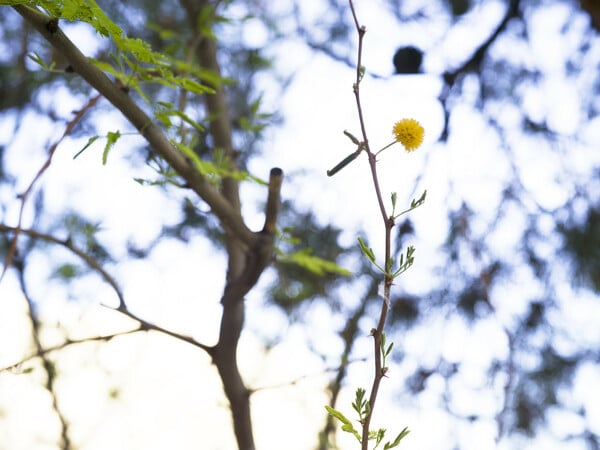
point(89, 260)
point(25, 195)
point(97, 267)
point(349, 334)
point(592, 7)
point(473, 64)
point(47, 363)
point(502, 416)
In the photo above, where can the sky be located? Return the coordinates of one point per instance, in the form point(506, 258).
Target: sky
point(125, 383)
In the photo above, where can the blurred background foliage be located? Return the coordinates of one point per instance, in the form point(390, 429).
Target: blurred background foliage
point(555, 245)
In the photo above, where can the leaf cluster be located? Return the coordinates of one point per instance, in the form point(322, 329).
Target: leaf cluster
point(362, 408)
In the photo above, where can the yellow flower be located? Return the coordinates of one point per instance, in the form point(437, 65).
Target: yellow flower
point(409, 133)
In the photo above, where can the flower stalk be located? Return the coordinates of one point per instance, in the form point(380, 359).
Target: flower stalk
point(409, 133)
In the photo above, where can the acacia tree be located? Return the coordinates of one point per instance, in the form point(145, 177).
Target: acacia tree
point(180, 163)
point(203, 124)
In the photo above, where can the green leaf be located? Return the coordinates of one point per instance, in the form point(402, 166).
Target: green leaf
point(413, 204)
point(359, 401)
point(396, 441)
point(338, 415)
point(305, 259)
point(213, 172)
point(36, 58)
point(141, 50)
point(144, 182)
point(368, 252)
point(111, 139)
point(343, 163)
point(164, 116)
point(389, 349)
point(128, 80)
point(352, 137)
point(285, 235)
point(135, 52)
point(420, 201)
point(89, 142)
point(66, 272)
point(377, 436)
point(405, 263)
point(347, 425)
point(191, 85)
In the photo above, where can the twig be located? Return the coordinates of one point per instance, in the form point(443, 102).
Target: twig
point(147, 326)
point(49, 366)
point(90, 261)
point(42, 352)
point(339, 368)
point(379, 370)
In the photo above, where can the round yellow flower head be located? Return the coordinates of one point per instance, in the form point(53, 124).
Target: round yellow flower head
point(409, 133)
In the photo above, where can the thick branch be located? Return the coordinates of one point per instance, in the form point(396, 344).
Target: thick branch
point(229, 215)
point(218, 110)
point(246, 261)
point(257, 259)
point(205, 48)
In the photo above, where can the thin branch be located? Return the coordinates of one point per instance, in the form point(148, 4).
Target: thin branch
point(96, 266)
point(388, 222)
point(337, 369)
point(25, 195)
point(90, 261)
point(147, 326)
point(473, 63)
point(477, 57)
point(361, 30)
point(49, 366)
point(43, 352)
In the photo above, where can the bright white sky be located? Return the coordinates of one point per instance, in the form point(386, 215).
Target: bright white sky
point(170, 384)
